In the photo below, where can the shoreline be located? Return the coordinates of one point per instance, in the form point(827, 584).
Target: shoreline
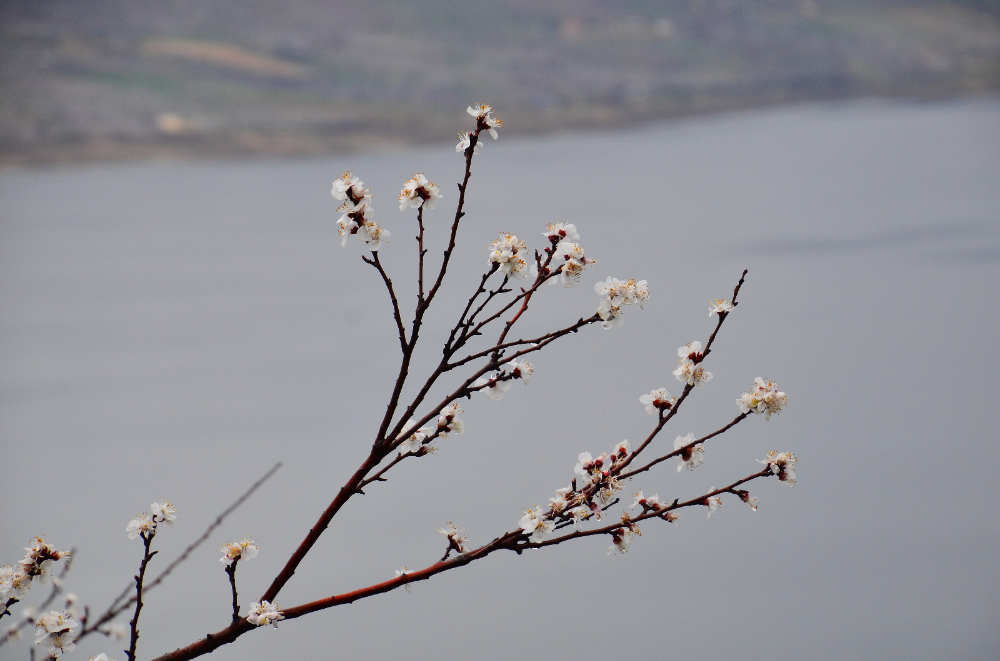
point(396, 132)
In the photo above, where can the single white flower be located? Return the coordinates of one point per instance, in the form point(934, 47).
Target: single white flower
point(752, 502)
point(781, 464)
point(519, 370)
point(417, 192)
point(465, 140)
point(349, 187)
point(570, 257)
point(495, 386)
point(560, 502)
point(14, 582)
point(620, 451)
point(245, 549)
point(693, 456)
point(163, 511)
point(670, 517)
point(413, 440)
point(142, 524)
point(713, 503)
point(611, 315)
point(373, 234)
point(720, 306)
point(586, 464)
point(403, 572)
point(657, 400)
point(579, 514)
point(485, 119)
point(456, 540)
point(508, 252)
point(558, 232)
point(535, 523)
point(622, 537)
point(262, 613)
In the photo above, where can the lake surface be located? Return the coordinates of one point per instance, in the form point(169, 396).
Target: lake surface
point(173, 329)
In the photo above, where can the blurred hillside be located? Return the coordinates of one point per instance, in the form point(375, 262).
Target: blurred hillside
point(99, 79)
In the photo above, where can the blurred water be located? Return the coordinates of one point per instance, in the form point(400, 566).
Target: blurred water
point(172, 329)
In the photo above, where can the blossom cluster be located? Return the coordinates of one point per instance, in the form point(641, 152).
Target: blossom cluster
point(54, 632)
point(689, 369)
point(692, 454)
point(781, 464)
point(264, 612)
point(621, 537)
point(495, 385)
point(356, 212)
point(617, 293)
point(567, 257)
point(456, 540)
point(245, 549)
point(417, 441)
point(418, 192)
point(763, 397)
point(145, 524)
point(15, 580)
point(653, 504)
point(658, 400)
point(508, 253)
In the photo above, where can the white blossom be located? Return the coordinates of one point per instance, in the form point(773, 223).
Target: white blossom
point(413, 441)
point(586, 464)
point(570, 257)
point(720, 306)
point(763, 397)
point(456, 539)
point(163, 512)
point(14, 582)
point(657, 400)
point(141, 524)
point(54, 632)
point(465, 140)
point(693, 456)
point(536, 524)
point(559, 232)
point(622, 537)
point(618, 293)
point(403, 572)
point(620, 451)
point(670, 517)
point(245, 549)
point(689, 369)
point(713, 502)
point(493, 386)
point(560, 502)
point(579, 514)
point(100, 657)
point(519, 370)
point(484, 116)
point(781, 464)
point(448, 421)
point(347, 186)
point(36, 563)
point(417, 192)
point(262, 613)
point(752, 502)
point(508, 252)
point(646, 502)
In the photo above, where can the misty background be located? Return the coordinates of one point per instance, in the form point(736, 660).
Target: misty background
point(178, 314)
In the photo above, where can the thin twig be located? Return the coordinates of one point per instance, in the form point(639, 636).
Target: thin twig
point(147, 539)
point(374, 261)
point(231, 570)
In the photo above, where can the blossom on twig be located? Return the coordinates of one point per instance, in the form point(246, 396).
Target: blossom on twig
point(508, 252)
point(465, 140)
point(141, 524)
point(264, 612)
point(456, 540)
point(763, 397)
point(558, 232)
point(55, 633)
point(417, 192)
point(618, 293)
point(414, 440)
point(163, 511)
point(448, 421)
point(658, 400)
point(356, 212)
point(622, 537)
point(692, 455)
point(403, 572)
point(569, 258)
point(721, 307)
point(485, 119)
point(689, 369)
point(781, 464)
point(245, 549)
point(713, 503)
point(535, 523)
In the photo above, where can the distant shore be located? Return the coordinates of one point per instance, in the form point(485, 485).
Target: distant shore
point(403, 129)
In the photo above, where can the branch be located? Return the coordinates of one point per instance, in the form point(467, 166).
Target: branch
point(679, 451)
point(420, 249)
point(114, 610)
point(146, 541)
point(231, 570)
point(374, 261)
point(53, 593)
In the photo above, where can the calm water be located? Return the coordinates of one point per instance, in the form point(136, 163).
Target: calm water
point(172, 329)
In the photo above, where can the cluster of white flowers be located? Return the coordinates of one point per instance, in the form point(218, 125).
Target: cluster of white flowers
point(658, 400)
point(356, 211)
point(497, 384)
point(622, 537)
point(448, 421)
point(145, 524)
point(763, 397)
point(537, 523)
point(689, 369)
point(418, 192)
point(456, 540)
point(692, 455)
point(616, 294)
point(245, 549)
point(721, 307)
point(15, 580)
point(508, 253)
point(568, 257)
point(782, 464)
point(263, 612)
point(54, 632)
